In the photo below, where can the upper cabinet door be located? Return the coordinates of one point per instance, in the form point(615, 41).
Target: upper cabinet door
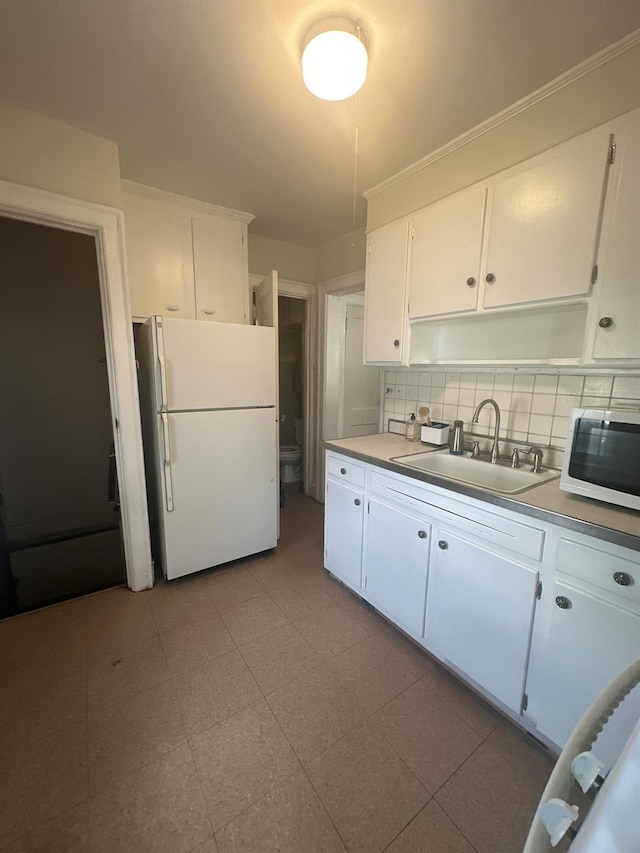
point(543, 226)
point(445, 255)
point(386, 317)
point(220, 269)
point(617, 321)
point(158, 246)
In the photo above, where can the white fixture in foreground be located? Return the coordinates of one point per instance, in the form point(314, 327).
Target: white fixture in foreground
point(334, 59)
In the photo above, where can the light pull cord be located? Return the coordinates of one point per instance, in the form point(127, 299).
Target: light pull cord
point(355, 161)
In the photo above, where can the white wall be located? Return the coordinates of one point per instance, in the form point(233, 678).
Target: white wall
point(341, 256)
point(39, 152)
point(294, 263)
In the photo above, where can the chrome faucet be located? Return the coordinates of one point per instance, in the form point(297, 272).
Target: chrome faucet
point(474, 420)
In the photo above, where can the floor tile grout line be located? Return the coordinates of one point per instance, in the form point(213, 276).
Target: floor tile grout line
point(324, 808)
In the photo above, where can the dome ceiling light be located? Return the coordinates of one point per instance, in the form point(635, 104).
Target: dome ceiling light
point(334, 59)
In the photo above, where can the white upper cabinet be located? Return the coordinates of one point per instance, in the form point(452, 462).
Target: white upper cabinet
point(386, 318)
point(185, 258)
point(157, 244)
point(220, 269)
point(616, 320)
point(542, 225)
point(446, 242)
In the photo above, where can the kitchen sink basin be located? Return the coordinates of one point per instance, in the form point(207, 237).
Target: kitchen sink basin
point(501, 477)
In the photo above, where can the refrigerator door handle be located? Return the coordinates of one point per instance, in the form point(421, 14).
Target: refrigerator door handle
point(168, 480)
point(161, 365)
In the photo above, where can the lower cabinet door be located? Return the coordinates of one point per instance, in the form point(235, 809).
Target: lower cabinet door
point(397, 562)
point(589, 642)
point(343, 522)
point(480, 614)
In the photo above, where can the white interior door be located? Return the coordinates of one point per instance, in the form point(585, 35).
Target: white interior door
point(224, 486)
point(361, 386)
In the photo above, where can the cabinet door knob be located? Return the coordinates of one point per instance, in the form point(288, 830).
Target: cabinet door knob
point(623, 578)
point(343, 470)
point(471, 282)
point(563, 602)
point(172, 308)
point(605, 322)
point(490, 278)
point(396, 343)
point(357, 501)
point(422, 534)
point(443, 545)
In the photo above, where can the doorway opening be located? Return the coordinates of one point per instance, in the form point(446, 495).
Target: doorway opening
point(292, 390)
point(60, 532)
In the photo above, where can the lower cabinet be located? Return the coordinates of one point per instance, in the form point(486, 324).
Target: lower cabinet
point(589, 641)
point(343, 524)
point(396, 561)
point(479, 614)
point(536, 617)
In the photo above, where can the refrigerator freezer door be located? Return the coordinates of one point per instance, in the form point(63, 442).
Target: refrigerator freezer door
point(224, 475)
point(214, 365)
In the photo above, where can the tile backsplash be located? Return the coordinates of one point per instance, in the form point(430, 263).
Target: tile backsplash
point(534, 406)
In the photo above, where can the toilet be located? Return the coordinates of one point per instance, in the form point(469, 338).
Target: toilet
point(291, 457)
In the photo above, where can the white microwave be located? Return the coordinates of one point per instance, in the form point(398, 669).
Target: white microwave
point(602, 456)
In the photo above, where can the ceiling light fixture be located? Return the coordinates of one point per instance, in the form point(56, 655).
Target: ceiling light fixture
point(334, 59)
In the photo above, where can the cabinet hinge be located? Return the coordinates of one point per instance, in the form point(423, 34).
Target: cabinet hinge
point(413, 231)
point(368, 507)
point(594, 274)
point(524, 704)
point(539, 590)
point(612, 149)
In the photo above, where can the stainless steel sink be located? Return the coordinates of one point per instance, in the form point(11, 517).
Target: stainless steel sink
point(500, 478)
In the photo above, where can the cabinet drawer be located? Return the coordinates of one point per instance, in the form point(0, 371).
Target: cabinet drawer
point(504, 531)
point(345, 469)
point(604, 569)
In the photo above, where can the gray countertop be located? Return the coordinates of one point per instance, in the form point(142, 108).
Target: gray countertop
point(546, 501)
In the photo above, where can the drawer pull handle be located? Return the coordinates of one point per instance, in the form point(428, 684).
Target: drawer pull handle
point(357, 501)
point(563, 602)
point(343, 470)
point(623, 578)
point(172, 308)
point(209, 311)
point(443, 545)
point(422, 534)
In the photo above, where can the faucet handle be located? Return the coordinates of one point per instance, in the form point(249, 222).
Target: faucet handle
point(476, 450)
point(515, 458)
point(537, 459)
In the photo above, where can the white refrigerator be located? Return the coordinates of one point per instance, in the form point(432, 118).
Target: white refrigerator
point(208, 403)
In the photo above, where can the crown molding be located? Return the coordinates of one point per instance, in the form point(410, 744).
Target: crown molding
point(576, 73)
point(193, 204)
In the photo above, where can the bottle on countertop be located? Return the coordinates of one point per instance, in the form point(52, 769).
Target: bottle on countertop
point(413, 429)
point(456, 447)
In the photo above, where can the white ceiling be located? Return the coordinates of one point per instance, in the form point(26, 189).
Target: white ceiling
point(205, 97)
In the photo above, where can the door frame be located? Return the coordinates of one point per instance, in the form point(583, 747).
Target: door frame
point(329, 374)
point(307, 292)
point(106, 225)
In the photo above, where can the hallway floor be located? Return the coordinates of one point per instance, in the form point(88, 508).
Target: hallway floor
point(258, 708)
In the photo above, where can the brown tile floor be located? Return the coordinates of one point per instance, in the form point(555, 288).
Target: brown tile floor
point(257, 708)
